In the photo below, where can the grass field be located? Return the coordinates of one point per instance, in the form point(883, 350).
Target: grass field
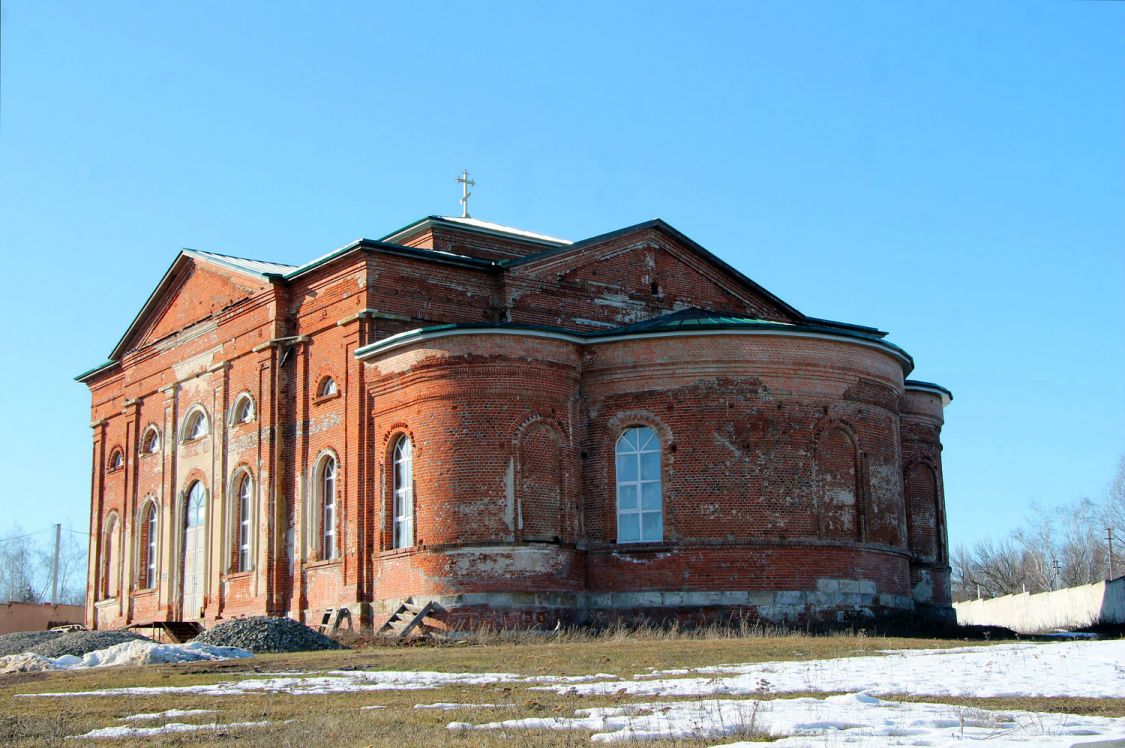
point(340, 718)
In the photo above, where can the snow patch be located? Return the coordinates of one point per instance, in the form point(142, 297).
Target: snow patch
point(852, 719)
point(168, 729)
point(171, 713)
point(139, 652)
point(1078, 668)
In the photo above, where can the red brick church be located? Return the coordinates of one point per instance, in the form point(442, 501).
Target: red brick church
point(518, 428)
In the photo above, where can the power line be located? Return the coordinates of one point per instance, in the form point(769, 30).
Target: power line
point(40, 532)
point(28, 535)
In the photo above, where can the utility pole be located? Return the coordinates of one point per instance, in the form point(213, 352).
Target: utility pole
point(55, 566)
point(1109, 547)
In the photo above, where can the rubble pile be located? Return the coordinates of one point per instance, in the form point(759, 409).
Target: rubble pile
point(265, 634)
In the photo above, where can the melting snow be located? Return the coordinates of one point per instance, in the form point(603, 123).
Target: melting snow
point(168, 714)
point(448, 705)
point(1095, 669)
point(1077, 668)
point(333, 682)
point(138, 652)
point(850, 719)
point(171, 727)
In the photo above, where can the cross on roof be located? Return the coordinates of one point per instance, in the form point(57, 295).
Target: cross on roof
point(465, 183)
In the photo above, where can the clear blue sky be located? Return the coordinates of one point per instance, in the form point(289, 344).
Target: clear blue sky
point(953, 173)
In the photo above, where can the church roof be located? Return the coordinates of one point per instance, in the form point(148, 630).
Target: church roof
point(682, 322)
point(255, 267)
point(475, 225)
point(686, 319)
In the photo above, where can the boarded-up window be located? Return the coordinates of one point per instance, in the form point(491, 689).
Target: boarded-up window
point(540, 466)
point(837, 484)
point(109, 557)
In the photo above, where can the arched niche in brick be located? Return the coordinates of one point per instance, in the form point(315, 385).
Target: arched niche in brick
point(838, 490)
point(922, 511)
point(540, 482)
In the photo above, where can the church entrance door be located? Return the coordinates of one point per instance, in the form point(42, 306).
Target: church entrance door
point(194, 553)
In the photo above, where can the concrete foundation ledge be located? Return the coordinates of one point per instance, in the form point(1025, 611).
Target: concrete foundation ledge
point(832, 602)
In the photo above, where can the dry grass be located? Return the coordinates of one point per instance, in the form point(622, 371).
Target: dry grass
point(330, 719)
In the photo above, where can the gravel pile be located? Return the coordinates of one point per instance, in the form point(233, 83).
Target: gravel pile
point(23, 641)
point(264, 634)
point(78, 643)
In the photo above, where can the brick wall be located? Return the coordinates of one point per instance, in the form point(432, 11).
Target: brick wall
point(799, 477)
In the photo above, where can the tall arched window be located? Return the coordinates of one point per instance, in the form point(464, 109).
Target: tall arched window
point(117, 460)
point(328, 504)
point(640, 511)
point(244, 513)
point(147, 559)
point(195, 551)
point(403, 489)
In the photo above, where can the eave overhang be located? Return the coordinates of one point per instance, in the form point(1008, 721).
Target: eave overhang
point(756, 327)
point(935, 389)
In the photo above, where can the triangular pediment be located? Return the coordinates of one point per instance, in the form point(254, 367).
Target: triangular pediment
point(193, 290)
point(642, 272)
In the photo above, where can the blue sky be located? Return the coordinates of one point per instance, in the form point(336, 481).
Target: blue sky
point(953, 173)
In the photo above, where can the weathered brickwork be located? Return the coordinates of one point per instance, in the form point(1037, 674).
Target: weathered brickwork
point(250, 429)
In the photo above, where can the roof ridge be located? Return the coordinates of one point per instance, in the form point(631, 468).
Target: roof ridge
point(212, 253)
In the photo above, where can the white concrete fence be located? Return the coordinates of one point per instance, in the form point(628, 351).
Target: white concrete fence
point(1070, 608)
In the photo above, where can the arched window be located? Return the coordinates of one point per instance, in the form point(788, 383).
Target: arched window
point(150, 442)
point(243, 514)
point(640, 512)
point(243, 411)
point(327, 387)
point(196, 505)
point(403, 489)
point(116, 460)
point(196, 425)
point(148, 535)
point(327, 490)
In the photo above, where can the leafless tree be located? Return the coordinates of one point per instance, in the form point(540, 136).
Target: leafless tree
point(1057, 546)
point(25, 566)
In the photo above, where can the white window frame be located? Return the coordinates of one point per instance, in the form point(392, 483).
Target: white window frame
point(150, 442)
point(327, 488)
point(117, 459)
point(197, 425)
point(243, 410)
point(639, 485)
point(192, 495)
point(245, 509)
point(327, 387)
point(402, 491)
point(150, 516)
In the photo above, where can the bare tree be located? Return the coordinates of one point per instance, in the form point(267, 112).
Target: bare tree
point(1061, 545)
point(25, 567)
point(19, 560)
